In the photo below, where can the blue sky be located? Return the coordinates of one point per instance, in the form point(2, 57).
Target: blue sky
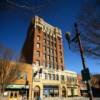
point(14, 22)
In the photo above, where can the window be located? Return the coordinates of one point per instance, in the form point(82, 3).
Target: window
point(57, 67)
point(44, 48)
point(38, 54)
point(48, 36)
point(45, 75)
point(48, 65)
point(44, 56)
point(38, 38)
point(44, 35)
point(48, 50)
point(39, 28)
point(52, 76)
point(51, 50)
point(49, 76)
point(62, 77)
point(59, 46)
point(55, 45)
point(48, 42)
point(37, 62)
point(44, 64)
point(25, 75)
point(68, 78)
point(44, 41)
point(60, 53)
point(62, 68)
point(52, 65)
point(57, 77)
point(19, 75)
point(38, 45)
point(61, 60)
point(59, 39)
point(54, 39)
point(48, 57)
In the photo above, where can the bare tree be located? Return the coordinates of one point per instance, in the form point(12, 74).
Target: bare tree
point(8, 69)
point(89, 25)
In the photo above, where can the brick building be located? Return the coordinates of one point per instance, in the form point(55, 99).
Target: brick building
point(44, 50)
point(43, 45)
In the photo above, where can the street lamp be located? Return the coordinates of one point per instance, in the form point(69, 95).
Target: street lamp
point(85, 71)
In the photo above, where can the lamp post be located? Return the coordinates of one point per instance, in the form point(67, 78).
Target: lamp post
point(85, 71)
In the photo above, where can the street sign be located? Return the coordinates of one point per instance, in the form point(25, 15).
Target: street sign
point(85, 74)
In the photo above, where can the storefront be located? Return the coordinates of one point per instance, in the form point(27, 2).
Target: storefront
point(17, 92)
point(51, 91)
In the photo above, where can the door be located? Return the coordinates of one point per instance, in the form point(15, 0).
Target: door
point(13, 95)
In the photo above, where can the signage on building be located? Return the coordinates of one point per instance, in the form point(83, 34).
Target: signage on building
point(17, 86)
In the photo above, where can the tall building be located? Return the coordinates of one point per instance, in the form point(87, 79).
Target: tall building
point(43, 45)
point(44, 50)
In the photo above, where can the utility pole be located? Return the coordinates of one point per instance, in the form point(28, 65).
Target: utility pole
point(83, 63)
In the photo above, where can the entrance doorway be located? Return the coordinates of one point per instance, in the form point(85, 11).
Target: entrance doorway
point(13, 95)
point(63, 92)
point(36, 92)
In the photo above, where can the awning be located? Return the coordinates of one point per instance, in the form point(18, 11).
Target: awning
point(17, 86)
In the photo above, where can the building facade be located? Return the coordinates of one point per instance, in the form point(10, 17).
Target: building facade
point(44, 50)
point(52, 83)
point(21, 87)
point(72, 84)
point(43, 45)
point(82, 86)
